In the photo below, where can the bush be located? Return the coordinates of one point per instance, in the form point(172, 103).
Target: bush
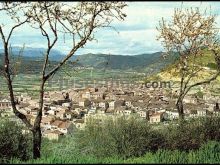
point(191, 134)
point(13, 144)
point(134, 137)
point(184, 137)
point(116, 137)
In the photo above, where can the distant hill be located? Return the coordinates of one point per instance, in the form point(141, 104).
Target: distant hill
point(32, 58)
point(35, 53)
point(135, 62)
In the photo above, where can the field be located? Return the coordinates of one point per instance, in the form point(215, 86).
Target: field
point(30, 83)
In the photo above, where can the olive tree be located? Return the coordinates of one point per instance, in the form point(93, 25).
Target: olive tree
point(53, 19)
point(190, 34)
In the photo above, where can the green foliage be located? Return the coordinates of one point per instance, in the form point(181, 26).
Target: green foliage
point(199, 94)
point(119, 137)
point(212, 65)
point(207, 153)
point(132, 140)
point(133, 137)
point(13, 144)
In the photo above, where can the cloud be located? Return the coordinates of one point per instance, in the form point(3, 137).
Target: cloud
point(137, 33)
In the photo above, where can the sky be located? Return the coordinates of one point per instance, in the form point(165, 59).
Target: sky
point(135, 35)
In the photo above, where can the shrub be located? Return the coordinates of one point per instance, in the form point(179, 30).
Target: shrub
point(184, 136)
point(120, 137)
point(13, 144)
point(131, 137)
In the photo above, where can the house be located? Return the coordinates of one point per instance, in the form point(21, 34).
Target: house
point(128, 103)
point(97, 95)
point(121, 110)
point(67, 104)
point(158, 117)
point(84, 103)
point(142, 114)
point(172, 115)
point(5, 104)
point(56, 96)
point(65, 127)
point(34, 103)
point(52, 134)
point(190, 99)
point(193, 113)
point(110, 96)
point(95, 103)
point(46, 121)
point(69, 115)
point(128, 111)
point(61, 114)
point(24, 98)
point(34, 111)
point(92, 110)
point(55, 124)
point(74, 95)
point(46, 97)
point(93, 89)
point(116, 104)
point(211, 106)
point(202, 112)
point(86, 95)
point(103, 104)
point(50, 112)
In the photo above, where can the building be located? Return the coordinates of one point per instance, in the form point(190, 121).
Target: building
point(45, 122)
point(172, 115)
point(84, 103)
point(86, 95)
point(158, 117)
point(103, 104)
point(5, 104)
point(142, 114)
point(116, 104)
point(52, 134)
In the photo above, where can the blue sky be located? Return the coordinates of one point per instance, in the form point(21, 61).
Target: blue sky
point(137, 34)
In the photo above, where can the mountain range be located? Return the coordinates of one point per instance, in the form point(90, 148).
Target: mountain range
point(99, 61)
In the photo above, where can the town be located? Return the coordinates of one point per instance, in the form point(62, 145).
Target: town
point(67, 110)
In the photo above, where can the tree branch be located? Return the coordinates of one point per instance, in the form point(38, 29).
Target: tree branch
point(14, 27)
point(202, 82)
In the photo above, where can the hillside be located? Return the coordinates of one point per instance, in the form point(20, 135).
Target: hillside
point(31, 60)
point(206, 62)
point(121, 61)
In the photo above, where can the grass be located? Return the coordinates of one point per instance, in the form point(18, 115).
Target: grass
point(209, 153)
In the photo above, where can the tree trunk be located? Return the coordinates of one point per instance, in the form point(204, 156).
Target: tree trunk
point(147, 115)
point(36, 143)
point(179, 106)
point(37, 129)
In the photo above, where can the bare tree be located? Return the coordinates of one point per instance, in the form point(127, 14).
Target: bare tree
point(190, 34)
point(54, 19)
